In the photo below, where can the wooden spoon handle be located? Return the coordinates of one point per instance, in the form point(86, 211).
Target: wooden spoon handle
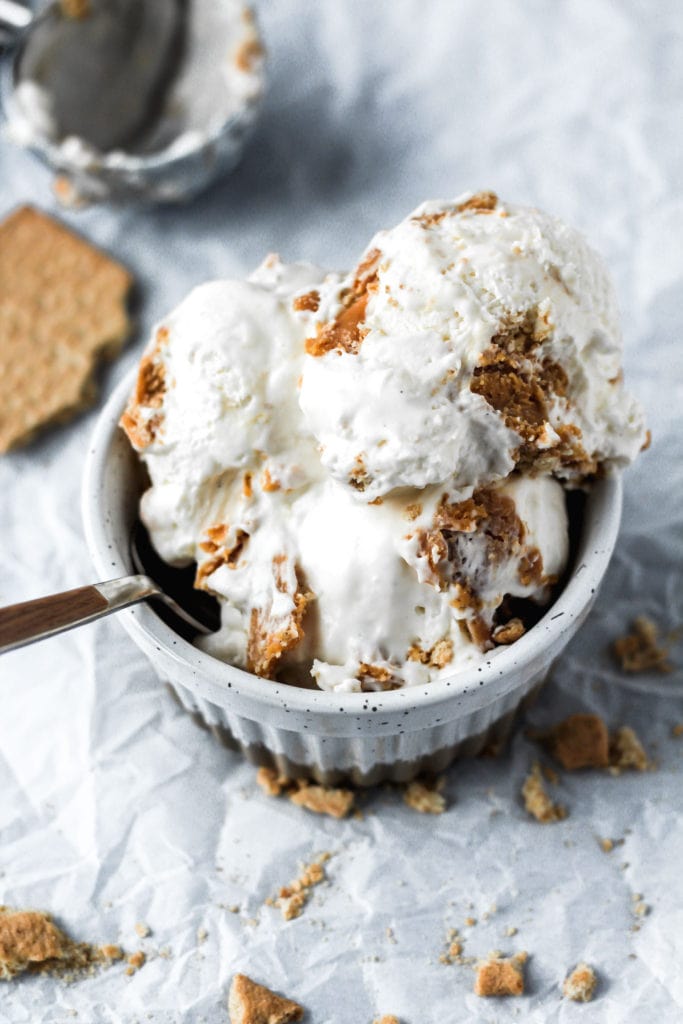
point(34, 620)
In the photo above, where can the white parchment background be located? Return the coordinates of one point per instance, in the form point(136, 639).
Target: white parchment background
point(115, 807)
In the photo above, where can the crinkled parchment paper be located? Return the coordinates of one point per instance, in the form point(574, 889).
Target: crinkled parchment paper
point(116, 808)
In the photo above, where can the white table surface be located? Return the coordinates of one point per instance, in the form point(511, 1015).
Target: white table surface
point(116, 808)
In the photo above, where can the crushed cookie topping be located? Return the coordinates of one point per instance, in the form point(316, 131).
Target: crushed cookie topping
point(309, 302)
point(216, 545)
point(359, 478)
point(440, 655)
point(509, 632)
point(269, 637)
point(376, 677)
point(249, 54)
point(346, 332)
point(580, 984)
point(149, 392)
point(268, 483)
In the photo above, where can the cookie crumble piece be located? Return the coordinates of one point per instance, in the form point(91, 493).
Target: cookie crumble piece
point(292, 898)
point(580, 984)
point(424, 798)
point(501, 976)
point(641, 650)
point(537, 801)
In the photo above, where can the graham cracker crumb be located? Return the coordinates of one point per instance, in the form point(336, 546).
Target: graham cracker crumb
point(470, 921)
point(508, 633)
point(324, 800)
point(580, 985)
point(346, 332)
point(249, 53)
point(250, 1003)
point(135, 961)
point(641, 650)
point(271, 782)
point(501, 976)
point(537, 801)
point(627, 752)
point(319, 799)
point(606, 845)
point(510, 930)
point(142, 929)
point(292, 898)
point(388, 1018)
point(31, 941)
point(308, 302)
point(580, 741)
point(677, 730)
point(425, 798)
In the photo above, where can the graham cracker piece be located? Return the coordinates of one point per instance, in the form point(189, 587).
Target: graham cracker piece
point(338, 803)
point(388, 1018)
point(501, 976)
point(425, 799)
point(62, 307)
point(580, 741)
point(580, 984)
point(31, 941)
point(250, 1003)
point(641, 649)
point(537, 800)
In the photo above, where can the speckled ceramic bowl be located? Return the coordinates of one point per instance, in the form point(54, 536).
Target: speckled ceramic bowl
point(366, 738)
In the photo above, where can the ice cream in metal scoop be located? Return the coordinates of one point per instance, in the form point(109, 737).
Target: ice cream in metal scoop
point(146, 99)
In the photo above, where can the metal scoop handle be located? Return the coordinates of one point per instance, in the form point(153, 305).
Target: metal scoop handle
point(29, 621)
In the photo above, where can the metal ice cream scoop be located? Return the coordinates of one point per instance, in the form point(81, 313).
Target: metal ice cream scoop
point(105, 65)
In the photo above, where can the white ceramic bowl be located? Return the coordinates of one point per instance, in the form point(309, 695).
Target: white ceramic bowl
point(366, 738)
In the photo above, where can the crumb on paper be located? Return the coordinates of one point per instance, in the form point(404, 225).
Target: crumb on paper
point(510, 930)
point(500, 976)
point(135, 962)
point(537, 801)
point(251, 1003)
point(641, 650)
point(202, 935)
point(579, 741)
point(292, 898)
point(470, 921)
point(388, 1018)
point(580, 984)
point(31, 941)
point(626, 752)
point(142, 929)
point(606, 845)
point(337, 803)
point(425, 798)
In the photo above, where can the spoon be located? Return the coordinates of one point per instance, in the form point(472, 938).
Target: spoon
point(29, 621)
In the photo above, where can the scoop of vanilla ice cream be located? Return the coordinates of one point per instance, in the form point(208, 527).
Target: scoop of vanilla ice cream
point(216, 404)
point(473, 338)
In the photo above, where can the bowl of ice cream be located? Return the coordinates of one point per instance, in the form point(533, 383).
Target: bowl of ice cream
point(136, 101)
point(373, 474)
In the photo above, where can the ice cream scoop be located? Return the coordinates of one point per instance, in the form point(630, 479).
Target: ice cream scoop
point(104, 66)
point(473, 338)
point(144, 99)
